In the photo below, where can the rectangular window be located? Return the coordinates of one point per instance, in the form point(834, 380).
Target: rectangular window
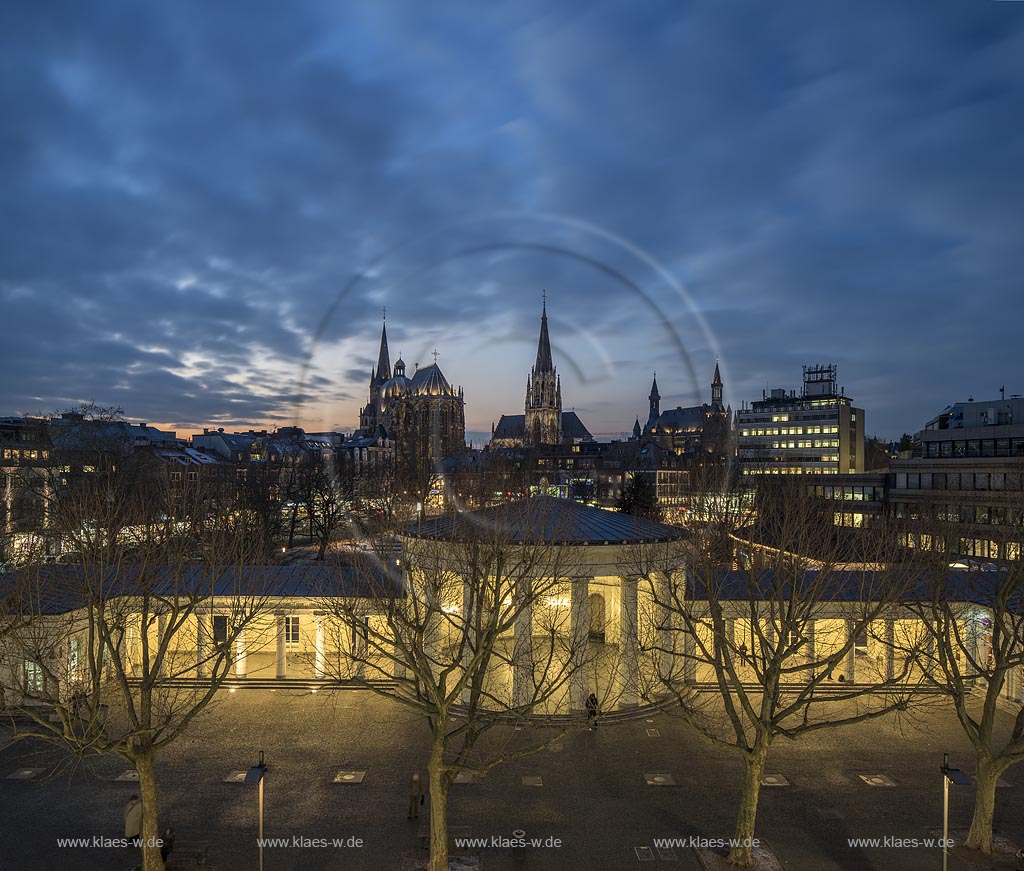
point(73, 673)
point(291, 631)
point(33, 677)
point(220, 629)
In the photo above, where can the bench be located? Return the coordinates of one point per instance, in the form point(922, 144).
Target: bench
point(187, 855)
point(453, 833)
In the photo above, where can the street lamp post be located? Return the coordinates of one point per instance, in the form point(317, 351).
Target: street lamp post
point(255, 775)
point(957, 778)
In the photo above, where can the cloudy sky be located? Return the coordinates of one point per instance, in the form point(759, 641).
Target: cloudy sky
point(207, 205)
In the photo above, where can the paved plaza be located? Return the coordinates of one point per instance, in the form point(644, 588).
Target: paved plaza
point(603, 794)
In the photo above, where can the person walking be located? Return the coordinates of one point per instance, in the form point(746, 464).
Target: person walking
point(592, 711)
point(166, 843)
point(416, 796)
point(133, 822)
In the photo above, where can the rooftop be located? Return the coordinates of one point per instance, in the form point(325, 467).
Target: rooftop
point(545, 519)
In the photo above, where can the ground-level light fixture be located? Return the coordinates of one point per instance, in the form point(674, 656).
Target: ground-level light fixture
point(255, 775)
point(957, 778)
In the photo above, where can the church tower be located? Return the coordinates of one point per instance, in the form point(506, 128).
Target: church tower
point(369, 417)
point(543, 423)
point(655, 399)
point(716, 389)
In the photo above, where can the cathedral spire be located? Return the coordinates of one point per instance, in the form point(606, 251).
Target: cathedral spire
point(383, 358)
point(544, 362)
point(716, 388)
point(655, 403)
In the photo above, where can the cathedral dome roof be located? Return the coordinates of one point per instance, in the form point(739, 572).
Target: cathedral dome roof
point(430, 381)
point(394, 387)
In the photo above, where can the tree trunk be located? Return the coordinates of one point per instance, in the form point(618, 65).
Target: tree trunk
point(741, 853)
point(323, 548)
point(438, 808)
point(980, 835)
point(144, 765)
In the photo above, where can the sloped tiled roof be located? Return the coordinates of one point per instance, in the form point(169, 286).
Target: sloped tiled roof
point(545, 519)
point(513, 426)
point(837, 585)
point(56, 589)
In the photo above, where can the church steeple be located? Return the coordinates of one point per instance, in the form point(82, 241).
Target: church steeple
point(383, 358)
point(655, 400)
point(543, 419)
point(716, 388)
point(544, 362)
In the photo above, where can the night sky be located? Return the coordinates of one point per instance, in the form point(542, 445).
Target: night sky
point(207, 205)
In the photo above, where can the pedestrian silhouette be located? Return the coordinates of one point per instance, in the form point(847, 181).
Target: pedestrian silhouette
point(416, 796)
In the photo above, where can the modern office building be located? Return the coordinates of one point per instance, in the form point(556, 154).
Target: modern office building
point(817, 431)
point(966, 469)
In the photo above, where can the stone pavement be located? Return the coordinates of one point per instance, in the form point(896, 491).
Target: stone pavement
point(593, 795)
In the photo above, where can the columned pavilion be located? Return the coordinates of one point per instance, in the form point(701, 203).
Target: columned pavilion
point(604, 600)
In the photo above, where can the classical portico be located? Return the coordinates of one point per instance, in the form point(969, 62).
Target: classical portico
point(593, 588)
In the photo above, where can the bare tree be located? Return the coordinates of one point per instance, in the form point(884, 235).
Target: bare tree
point(119, 652)
point(973, 625)
point(326, 490)
point(769, 650)
point(468, 627)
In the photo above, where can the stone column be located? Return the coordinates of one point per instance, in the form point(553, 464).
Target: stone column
point(1011, 686)
point(628, 643)
point(890, 649)
point(282, 649)
point(135, 631)
point(201, 652)
point(161, 632)
point(240, 654)
point(466, 623)
point(434, 621)
point(359, 646)
point(976, 647)
point(730, 634)
point(689, 657)
point(810, 645)
point(318, 650)
point(770, 641)
point(579, 622)
point(851, 654)
point(664, 614)
point(522, 645)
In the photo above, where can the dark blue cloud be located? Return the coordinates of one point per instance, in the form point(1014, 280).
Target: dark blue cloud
point(189, 189)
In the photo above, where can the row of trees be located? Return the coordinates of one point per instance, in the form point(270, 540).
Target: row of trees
point(132, 603)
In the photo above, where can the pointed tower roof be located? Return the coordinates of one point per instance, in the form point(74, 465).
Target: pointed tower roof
point(654, 388)
point(718, 375)
point(544, 362)
point(383, 358)
point(636, 428)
